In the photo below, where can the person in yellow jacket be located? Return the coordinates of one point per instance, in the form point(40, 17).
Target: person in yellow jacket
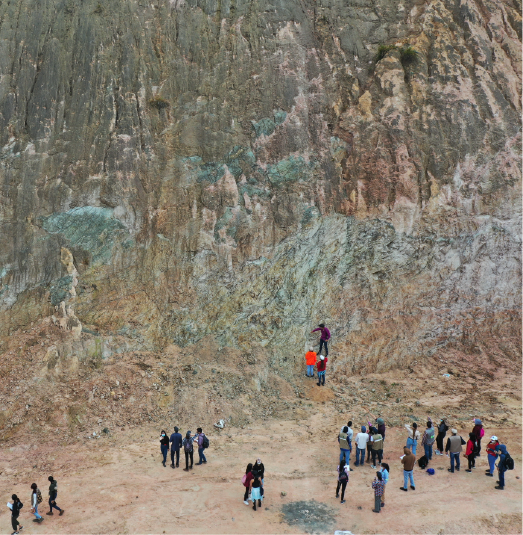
point(310, 360)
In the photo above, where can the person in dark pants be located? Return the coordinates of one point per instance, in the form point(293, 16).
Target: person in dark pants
point(15, 513)
point(164, 446)
point(53, 493)
point(247, 478)
point(176, 443)
point(324, 338)
point(479, 432)
point(378, 486)
point(502, 450)
point(321, 366)
point(343, 479)
point(470, 453)
point(200, 435)
point(442, 431)
point(188, 450)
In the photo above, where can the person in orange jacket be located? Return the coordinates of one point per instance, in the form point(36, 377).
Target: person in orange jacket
point(310, 360)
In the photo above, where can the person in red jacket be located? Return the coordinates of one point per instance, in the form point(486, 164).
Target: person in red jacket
point(470, 454)
point(492, 455)
point(321, 366)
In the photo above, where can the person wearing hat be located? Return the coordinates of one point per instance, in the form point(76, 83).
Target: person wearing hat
point(321, 366)
point(492, 455)
point(479, 432)
point(502, 450)
point(176, 440)
point(310, 361)
point(188, 449)
point(361, 445)
point(454, 448)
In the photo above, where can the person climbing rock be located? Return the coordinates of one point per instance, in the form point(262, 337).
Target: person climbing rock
point(202, 441)
point(310, 361)
point(428, 439)
point(53, 493)
point(176, 443)
point(442, 432)
point(164, 446)
point(188, 449)
point(479, 432)
point(343, 479)
point(15, 513)
point(36, 498)
point(344, 446)
point(408, 460)
point(321, 367)
point(378, 486)
point(492, 455)
point(454, 448)
point(361, 445)
point(385, 470)
point(412, 439)
point(470, 452)
point(246, 482)
point(256, 491)
point(324, 338)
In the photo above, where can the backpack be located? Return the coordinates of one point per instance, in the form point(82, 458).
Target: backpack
point(244, 479)
point(343, 477)
point(39, 498)
point(508, 463)
point(187, 446)
point(423, 462)
point(205, 442)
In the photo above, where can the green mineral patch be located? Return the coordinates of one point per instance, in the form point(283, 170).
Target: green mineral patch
point(224, 221)
point(264, 127)
point(210, 172)
point(289, 170)
point(60, 289)
point(279, 117)
point(309, 215)
point(91, 228)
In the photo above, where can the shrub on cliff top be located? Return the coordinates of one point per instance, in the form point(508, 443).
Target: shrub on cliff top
point(383, 50)
point(408, 55)
point(159, 103)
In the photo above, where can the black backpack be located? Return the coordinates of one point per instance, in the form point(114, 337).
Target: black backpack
point(205, 442)
point(423, 462)
point(508, 462)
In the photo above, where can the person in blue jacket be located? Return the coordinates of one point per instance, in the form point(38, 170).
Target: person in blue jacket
point(176, 444)
point(502, 449)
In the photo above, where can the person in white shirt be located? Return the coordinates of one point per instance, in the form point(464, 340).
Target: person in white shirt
point(361, 445)
point(412, 440)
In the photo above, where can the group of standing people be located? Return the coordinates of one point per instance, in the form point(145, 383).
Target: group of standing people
point(311, 357)
point(36, 499)
point(253, 481)
point(186, 443)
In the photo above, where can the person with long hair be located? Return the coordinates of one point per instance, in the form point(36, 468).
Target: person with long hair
point(442, 432)
point(53, 493)
point(343, 479)
point(246, 480)
point(378, 487)
point(385, 470)
point(164, 446)
point(412, 439)
point(15, 513)
point(34, 502)
point(256, 491)
point(470, 453)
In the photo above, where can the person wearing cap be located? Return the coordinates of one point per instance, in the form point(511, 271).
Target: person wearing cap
point(324, 337)
point(454, 448)
point(310, 361)
point(321, 366)
point(492, 455)
point(479, 432)
point(188, 450)
point(361, 445)
point(502, 450)
point(176, 440)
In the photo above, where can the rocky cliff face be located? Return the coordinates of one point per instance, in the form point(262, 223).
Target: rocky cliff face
point(238, 170)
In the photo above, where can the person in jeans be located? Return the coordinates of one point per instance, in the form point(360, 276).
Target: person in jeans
point(502, 450)
point(377, 447)
point(492, 455)
point(408, 461)
point(412, 439)
point(176, 443)
point(343, 479)
point(442, 432)
point(377, 485)
point(53, 493)
point(324, 338)
point(385, 469)
point(361, 446)
point(454, 448)
point(310, 361)
point(15, 513)
point(256, 492)
point(34, 503)
point(470, 453)
point(344, 446)
point(188, 449)
point(321, 367)
point(200, 434)
point(247, 478)
point(428, 439)
point(164, 446)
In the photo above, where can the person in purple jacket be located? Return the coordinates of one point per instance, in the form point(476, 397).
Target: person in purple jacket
point(324, 338)
point(200, 435)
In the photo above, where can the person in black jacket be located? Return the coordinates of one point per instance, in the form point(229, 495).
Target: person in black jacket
point(442, 431)
point(15, 513)
point(176, 444)
point(164, 446)
point(258, 470)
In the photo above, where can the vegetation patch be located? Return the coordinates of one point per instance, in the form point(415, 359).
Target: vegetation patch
point(159, 103)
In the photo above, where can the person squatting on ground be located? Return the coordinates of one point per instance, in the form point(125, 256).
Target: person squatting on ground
point(408, 461)
point(454, 448)
point(377, 447)
point(310, 361)
point(15, 513)
point(53, 494)
point(442, 432)
point(470, 452)
point(324, 338)
point(246, 482)
point(479, 432)
point(203, 444)
point(176, 443)
point(188, 450)
point(321, 367)
point(378, 486)
point(428, 439)
point(256, 491)
point(164, 446)
point(412, 439)
point(36, 498)
point(345, 446)
point(361, 445)
point(492, 455)
point(385, 470)
point(343, 479)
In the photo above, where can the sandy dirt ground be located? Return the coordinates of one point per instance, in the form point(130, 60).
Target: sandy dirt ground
point(117, 484)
